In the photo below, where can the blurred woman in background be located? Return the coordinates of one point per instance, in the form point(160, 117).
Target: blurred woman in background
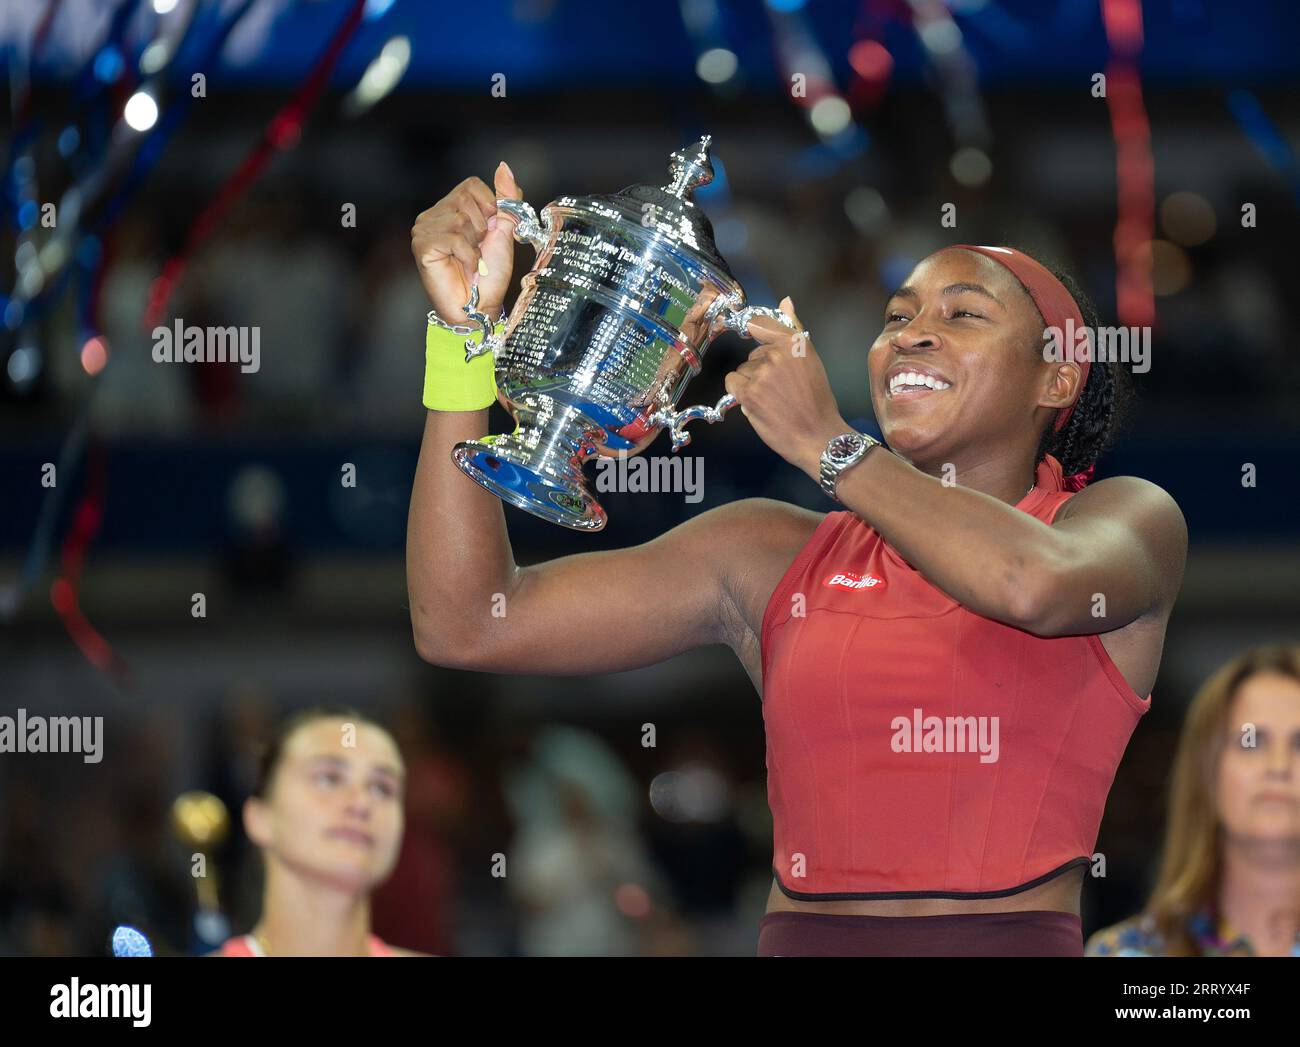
point(1229, 881)
point(327, 816)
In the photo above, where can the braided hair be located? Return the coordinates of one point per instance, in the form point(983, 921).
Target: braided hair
point(1101, 407)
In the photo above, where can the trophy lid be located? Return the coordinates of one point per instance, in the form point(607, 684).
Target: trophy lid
point(669, 209)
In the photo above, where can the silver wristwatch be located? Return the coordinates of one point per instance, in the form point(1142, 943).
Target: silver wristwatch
point(841, 452)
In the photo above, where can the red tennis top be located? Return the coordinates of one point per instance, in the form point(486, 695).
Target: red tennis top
point(917, 749)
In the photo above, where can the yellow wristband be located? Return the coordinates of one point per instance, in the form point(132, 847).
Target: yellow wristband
point(451, 384)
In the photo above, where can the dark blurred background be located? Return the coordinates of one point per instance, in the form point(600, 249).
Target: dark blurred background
point(840, 131)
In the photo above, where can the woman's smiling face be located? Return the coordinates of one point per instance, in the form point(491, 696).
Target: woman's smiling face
point(955, 363)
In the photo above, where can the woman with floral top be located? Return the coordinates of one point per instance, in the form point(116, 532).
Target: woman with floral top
point(1229, 882)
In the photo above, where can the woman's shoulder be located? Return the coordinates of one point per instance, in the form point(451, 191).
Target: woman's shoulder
point(231, 947)
point(1135, 936)
point(397, 950)
point(749, 544)
point(751, 537)
point(1131, 492)
point(764, 534)
point(766, 519)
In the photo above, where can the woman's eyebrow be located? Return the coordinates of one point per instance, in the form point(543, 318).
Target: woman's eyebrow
point(377, 768)
point(973, 289)
point(907, 291)
point(326, 758)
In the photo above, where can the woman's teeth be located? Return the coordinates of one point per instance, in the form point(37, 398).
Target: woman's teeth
point(910, 379)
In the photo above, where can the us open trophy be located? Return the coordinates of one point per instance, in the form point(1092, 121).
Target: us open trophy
point(626, 294)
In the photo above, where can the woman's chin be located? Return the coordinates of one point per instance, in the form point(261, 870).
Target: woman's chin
point(909, 441)
point(1277, 828)
point(350, 874)
point(1272, 830)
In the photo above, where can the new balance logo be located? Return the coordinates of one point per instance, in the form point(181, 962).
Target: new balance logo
point(849, 580)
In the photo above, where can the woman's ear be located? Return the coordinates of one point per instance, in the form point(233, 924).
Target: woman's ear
point(1062, 385)
point(257, 821)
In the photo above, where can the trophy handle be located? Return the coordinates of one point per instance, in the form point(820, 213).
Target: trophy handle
point(488, 342)
point(527, 230)
point(676, 421)
point(736, 319)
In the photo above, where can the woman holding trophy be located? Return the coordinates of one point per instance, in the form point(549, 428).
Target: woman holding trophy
point(950, 664)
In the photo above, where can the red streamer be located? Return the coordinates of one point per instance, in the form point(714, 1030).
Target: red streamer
point(65, 592)
point(281, 133)
point(1134, 166)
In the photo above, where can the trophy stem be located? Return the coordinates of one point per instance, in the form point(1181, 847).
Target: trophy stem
point(538, 467)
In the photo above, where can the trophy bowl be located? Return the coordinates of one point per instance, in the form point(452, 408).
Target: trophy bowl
point(612, 322)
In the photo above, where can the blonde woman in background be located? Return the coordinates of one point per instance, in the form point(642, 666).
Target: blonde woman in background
point(1229, 882)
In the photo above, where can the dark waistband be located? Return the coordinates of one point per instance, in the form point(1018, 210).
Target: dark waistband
point(1034, 932)
point(1006, 892)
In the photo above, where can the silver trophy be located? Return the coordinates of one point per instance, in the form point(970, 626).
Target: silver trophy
point(613, 321)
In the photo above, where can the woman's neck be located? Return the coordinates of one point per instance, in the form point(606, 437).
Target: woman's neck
point(1260, 894)
point(304, 916)
point(1005, 475)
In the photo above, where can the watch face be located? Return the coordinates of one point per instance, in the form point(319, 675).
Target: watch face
point(844, 447)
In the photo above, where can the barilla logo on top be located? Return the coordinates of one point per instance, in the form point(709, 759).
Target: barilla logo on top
point(851, 580)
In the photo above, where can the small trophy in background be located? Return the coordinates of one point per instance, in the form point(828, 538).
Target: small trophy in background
point(201, 822)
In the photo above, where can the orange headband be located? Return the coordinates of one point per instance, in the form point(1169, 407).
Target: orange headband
point(1054, 302)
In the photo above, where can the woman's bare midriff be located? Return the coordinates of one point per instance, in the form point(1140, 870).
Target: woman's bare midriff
point(1060, 894)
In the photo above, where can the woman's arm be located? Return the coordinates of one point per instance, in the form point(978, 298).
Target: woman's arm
point(473, 607)
point(1122, 539)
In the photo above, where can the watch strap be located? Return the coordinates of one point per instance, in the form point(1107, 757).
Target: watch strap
point(831, 470)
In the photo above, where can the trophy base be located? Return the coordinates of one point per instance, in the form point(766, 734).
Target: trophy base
point(537, 470)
